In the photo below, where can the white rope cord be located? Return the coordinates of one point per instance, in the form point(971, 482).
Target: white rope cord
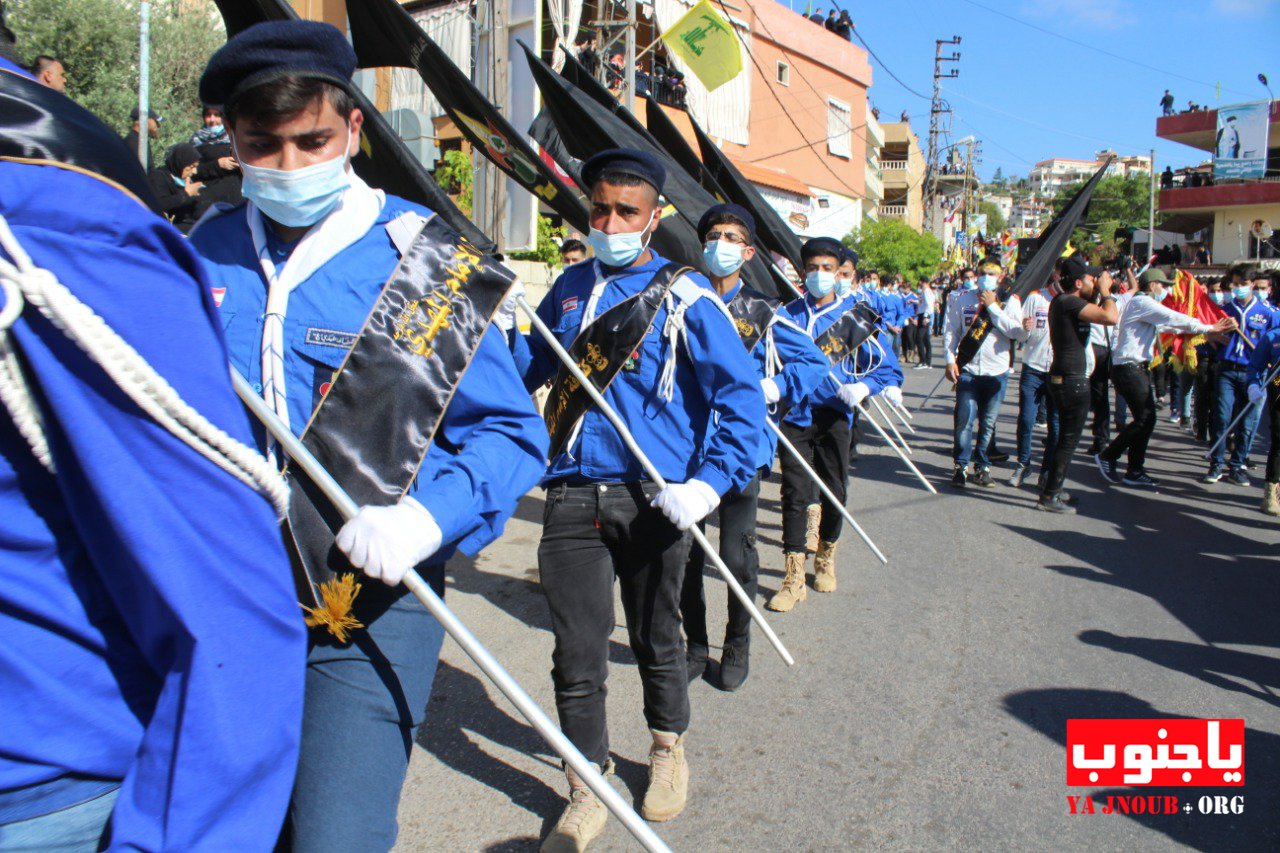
point(122, 363)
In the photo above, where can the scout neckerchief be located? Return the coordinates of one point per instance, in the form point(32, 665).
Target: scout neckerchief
point(374, 426)
point(843, 337)
point(350, 220)
point(602, 347)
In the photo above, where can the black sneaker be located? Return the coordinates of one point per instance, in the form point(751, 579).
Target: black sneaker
point(1107, 468)
point(998, 456)
point(958, 478)
point(982, 477)
point(695, 661)
point(1214, 475)
point(734, 666)
point(1019, 475)
point(1238, 477)
point(1055, 504)
point(1140, 479)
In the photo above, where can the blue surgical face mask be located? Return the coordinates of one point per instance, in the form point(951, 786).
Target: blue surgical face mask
point(1161, 296)
point(620, 250)
point(723, 258)
point(987, 282)
point(843, 287)
point(969, 284)
point(820, 283)
point(1242, 292)
point(214, 128)
point(298, 198)
point(1218, 297)
point(872, 284)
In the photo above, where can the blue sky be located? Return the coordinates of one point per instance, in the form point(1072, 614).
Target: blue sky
point(1030, 95)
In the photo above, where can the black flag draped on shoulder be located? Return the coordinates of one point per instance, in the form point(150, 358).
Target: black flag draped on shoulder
point(385, 35)
point(383, 161)
point(38, 125)
point(377, 420)
point(601, 350)
point(752, 314)
point(1035, 275)
point(845, 335)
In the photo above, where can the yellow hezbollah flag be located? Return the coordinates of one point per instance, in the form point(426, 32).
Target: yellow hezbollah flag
point(707, 44)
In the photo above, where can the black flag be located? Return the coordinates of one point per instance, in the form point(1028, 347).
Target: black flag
point(1035, 275)
point(383, 160)
point(385, 35)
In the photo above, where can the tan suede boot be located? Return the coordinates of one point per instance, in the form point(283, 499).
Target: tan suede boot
point(1271, 499)
point(812, 520)
point(793, 589)
point(824, 568)
point(668, 778)
point(583, 819)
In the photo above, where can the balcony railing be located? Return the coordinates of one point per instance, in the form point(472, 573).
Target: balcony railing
point(893, 165)
point(898, 211)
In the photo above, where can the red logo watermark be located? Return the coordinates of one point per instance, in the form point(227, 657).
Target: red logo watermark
point(1163, 752)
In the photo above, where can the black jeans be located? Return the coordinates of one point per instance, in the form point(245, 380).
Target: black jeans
point(825, 445)
point(1100, 393)
point(1273, 451)
point(924, 343)
point(592, 534)
point(738, 550)
point(1205, 401)
point(1134, 383)
point(1071, 396)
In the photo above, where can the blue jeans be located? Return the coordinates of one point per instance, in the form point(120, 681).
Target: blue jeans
point(896, 339)
point(76, 829)
point(978, 399)
point(1233, 395)
point(365, 700)
point(1033, 391)
point(1180, 394)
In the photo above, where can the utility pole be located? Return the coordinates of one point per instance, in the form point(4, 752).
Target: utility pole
point(937, 109)
point(144, 83)
point(630, 79)
point(493, 71)
point(1151, 211)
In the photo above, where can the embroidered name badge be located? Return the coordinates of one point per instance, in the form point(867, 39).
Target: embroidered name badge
point(330, 338)
point(569, 304)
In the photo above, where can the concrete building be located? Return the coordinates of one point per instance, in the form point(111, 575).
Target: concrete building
point(1230, 217)
point(874, 175)
point(1049, 176)
point(1028, 216)
point(902, 163)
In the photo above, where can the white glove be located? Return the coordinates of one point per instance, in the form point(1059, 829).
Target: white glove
point(853, 394)
point(387, 541)
point(1256, 394)
point(685, 504)
point(505, 319)
point(771, 392)
point(893, 394)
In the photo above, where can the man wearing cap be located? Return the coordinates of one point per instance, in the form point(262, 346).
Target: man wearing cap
point(151, 669)
point(1140, 322)
point(819, 425)
point(981, 384)
point(676, 372)
point(1070, 313)
point(297, 270)
point(789, 366)
point(153, 132)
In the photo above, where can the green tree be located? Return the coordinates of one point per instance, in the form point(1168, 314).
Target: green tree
point(1119, 201)
point(548, 249)
point(97, 41)
point(998, 177)
point(996, 222)
point(457, 177)
point(892, 247)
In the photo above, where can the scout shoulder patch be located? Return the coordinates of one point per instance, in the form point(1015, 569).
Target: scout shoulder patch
point(752, 314)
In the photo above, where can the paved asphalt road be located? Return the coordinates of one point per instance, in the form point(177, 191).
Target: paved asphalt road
point(928, 703)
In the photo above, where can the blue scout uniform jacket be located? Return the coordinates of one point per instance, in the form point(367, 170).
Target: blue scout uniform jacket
point(1255, 320)
point(491, 444)
point(798, 368)
point(151, 637)
point(874, 364)
point(707, 428)
point(1265, 357)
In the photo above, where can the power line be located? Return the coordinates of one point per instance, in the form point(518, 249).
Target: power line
point(1093, 47)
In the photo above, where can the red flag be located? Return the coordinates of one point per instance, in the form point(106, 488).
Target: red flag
point(1188, 296)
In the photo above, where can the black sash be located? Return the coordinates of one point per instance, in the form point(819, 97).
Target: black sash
point(974, 336)
point(848, 333)
point(752, 313)
point(38, 124)
point(374, 426)
point(600, 351)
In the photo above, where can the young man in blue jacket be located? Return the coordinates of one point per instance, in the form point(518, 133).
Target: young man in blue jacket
point(789, 367)
point(819, 425)
point(689, 393)
point(152, 663)
point(297, 270)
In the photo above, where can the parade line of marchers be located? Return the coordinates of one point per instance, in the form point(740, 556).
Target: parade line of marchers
point(164, 690)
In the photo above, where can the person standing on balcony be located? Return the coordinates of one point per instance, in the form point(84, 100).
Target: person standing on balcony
point(1166, 103)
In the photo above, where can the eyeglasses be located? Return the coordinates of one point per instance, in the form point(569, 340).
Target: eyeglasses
point(727, 236)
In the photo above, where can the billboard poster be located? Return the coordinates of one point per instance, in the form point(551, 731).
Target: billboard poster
point(1240, 146)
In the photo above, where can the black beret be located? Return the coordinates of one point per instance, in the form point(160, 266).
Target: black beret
point(628, 161)
point(823, 246)
point(850, 255)
point(271, 50)
point(734, 210)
